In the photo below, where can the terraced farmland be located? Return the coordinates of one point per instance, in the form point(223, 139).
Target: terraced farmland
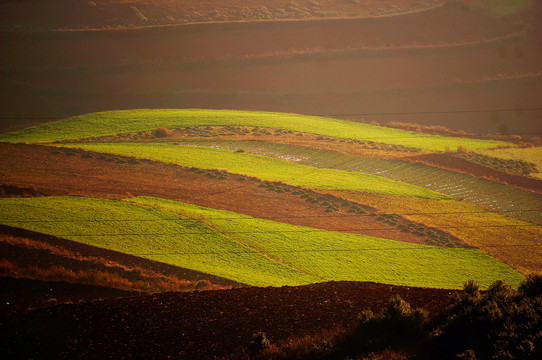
point(318, 180)
point(494, 196)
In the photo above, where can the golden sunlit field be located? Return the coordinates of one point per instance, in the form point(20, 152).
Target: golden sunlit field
point(270, 179)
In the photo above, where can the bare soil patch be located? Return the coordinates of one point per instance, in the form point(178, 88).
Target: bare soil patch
point(199, 325)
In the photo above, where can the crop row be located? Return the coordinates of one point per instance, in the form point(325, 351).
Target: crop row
point(494, 196)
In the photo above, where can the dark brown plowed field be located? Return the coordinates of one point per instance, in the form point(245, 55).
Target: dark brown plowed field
point(68, 172)
point(197, 325)
point(443, 59)
point(20, 295)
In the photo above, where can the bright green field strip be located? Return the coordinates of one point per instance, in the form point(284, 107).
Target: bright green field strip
point(149, 233)
point(340, 256)
point(262, 167)
point(166, 231)
point(132, 121)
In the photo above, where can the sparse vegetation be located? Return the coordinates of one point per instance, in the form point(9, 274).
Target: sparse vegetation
point(526, 161)
point(466, 221)
point(511, 166)
point(90, 270)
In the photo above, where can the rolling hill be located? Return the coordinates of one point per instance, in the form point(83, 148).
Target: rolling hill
point(341, 184)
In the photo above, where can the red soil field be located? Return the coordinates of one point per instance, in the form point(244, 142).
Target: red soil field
point(201, 324)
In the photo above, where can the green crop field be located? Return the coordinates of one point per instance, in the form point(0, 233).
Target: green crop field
point(495, 196)
point(249, 250)
point(149, 233)
point(133, 121)
point(262, 167)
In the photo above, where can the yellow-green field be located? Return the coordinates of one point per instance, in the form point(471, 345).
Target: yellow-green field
point(249, 250)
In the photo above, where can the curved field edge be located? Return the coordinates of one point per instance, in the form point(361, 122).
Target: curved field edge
point(515, 242)
point(132, 121)
point(262, 167)
point(249, 250)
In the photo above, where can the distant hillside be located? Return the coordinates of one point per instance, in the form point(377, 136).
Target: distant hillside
point(74, 14)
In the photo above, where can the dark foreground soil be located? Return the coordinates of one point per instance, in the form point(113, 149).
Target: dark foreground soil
point(197, 325)
point(19, 295)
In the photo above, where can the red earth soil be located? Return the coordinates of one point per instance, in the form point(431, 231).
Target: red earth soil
point(443, 59)
point(199, 325)
point(62, 174)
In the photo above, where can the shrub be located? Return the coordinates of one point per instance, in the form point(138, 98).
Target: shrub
point(398, 326)
point(258, 343)
point(161, 132)
point(531, 287)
